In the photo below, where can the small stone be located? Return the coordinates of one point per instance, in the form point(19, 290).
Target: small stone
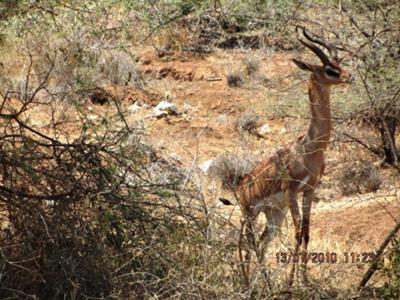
point(205, 166)
point(165, 108)
point(263, 130)
point(135, 107)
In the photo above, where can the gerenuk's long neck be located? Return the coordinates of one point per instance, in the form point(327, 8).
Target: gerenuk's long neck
point(320, 128)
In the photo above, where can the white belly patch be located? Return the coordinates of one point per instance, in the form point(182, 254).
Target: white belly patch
point(304, 182)
point(274, 201)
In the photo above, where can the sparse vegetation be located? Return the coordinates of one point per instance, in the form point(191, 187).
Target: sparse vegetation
point(247, 123)
point(90, 205)
point(252, 66)
point(377, 55)
point(235, 78)
point(392, 270)
point(361, 179)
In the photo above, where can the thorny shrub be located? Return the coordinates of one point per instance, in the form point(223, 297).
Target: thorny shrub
point(91, 213)
point(392, 271)
point(210, 23)
point(87, 209)
point(374, 40)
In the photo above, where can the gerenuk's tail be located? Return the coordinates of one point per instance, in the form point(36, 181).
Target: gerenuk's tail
point(225, 201)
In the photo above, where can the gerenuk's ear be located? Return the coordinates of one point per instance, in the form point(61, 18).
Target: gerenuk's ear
point(304, 66)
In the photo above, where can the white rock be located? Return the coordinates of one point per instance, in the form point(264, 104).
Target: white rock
point(205, 166)
point(264, 130)
point(135, 107)
point(165, 108)
point(159, 113)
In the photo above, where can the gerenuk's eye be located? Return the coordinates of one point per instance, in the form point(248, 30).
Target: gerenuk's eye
point(332, 73)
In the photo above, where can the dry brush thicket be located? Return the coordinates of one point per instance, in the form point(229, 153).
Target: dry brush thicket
point(87, 209)
point(377, 55)
point(78, 204)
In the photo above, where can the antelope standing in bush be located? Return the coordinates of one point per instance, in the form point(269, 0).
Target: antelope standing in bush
point(274, 184)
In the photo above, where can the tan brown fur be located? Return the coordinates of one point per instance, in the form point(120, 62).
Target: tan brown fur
point(266, 179)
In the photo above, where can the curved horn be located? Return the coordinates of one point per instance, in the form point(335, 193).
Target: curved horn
point(322, 56)
point(332, 49)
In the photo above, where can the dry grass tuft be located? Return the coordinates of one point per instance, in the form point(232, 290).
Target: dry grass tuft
point(230, 169)
point(235, 78)
point(252, 65)
point(360, 179)
point(247, 123)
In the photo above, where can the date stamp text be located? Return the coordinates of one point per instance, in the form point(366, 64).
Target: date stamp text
point(325, 257)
